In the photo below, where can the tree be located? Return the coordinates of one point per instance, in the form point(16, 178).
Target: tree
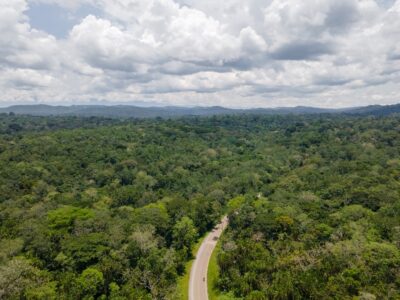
point(19, 278)
point(184, 235)
point(62, 219)
point(90, 282)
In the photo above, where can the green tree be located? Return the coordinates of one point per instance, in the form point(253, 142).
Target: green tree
point(184, 235)
point(90, 282)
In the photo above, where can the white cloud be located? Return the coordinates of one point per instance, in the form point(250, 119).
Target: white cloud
point(24, 50)
point(25, 79)
point(233, 53)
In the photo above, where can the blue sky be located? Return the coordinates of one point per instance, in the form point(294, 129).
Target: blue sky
point(236, 53)
point(57, 20)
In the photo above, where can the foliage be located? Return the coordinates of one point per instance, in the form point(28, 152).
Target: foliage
point(184, 235)
point(100, 208)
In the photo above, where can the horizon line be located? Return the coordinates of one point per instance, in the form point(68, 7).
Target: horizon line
point(196, 106)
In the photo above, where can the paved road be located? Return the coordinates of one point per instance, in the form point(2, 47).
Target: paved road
point(198, 274)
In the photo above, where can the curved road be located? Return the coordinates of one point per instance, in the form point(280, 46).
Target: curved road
point(198, 274)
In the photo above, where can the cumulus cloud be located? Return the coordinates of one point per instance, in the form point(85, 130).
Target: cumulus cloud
point(190, 52)
point(21, 46)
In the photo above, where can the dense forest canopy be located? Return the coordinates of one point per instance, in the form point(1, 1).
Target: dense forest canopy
point(97, 208)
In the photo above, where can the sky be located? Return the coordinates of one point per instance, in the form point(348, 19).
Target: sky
point(232, 53)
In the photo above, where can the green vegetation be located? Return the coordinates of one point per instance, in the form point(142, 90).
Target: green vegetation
point(213, 275)
point(328, 226)
point(107, 209)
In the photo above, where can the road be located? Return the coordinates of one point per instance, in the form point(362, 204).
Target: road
point(198, 274)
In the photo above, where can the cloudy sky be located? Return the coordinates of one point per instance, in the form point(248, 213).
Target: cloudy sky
point(235, 53)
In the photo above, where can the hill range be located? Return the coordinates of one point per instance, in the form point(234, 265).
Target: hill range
point(129, 111)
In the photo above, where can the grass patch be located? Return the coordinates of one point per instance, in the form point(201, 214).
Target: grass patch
point(182, 288)
point(212, 278)
point(213, 274)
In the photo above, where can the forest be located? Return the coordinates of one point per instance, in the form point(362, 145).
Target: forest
point(98, 208)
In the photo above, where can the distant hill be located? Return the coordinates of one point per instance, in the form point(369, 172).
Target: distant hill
point(126, 111)
point(112, 111)
point(376, 110)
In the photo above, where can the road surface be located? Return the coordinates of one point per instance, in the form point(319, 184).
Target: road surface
point(198, 274)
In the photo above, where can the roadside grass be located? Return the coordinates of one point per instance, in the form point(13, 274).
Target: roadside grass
point(182, 289)
point(212, 278)
point(213, 274)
